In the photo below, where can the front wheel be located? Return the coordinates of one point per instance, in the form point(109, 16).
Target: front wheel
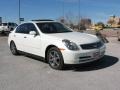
point(55, 58)
point(13, 48)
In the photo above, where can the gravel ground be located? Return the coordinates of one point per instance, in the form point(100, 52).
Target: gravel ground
point(25, 73)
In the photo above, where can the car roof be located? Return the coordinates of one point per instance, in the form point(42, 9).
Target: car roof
point(39, 21)
point(42, 20)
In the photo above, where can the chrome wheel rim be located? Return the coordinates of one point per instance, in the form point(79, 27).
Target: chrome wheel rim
point(54, 59)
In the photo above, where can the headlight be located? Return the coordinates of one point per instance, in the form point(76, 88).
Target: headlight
point(70, 45)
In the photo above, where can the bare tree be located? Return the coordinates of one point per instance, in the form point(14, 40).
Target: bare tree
point(69, 19)
point(85, 23)
point(62, 20)
point(111, 22)
point(73, 22)
point(100, 24)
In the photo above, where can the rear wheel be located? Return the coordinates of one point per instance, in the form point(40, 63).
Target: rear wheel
point(13, 48)
point(118, 35)
point(118, 39)
point(3, 33)
point(55, 59)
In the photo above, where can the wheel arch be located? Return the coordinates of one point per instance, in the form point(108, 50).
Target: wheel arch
point(11, 42)
point(48, 47)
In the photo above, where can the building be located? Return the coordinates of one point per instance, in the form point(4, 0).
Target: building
point(114, 21)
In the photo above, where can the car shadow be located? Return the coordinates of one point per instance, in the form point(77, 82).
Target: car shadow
point(105, 62)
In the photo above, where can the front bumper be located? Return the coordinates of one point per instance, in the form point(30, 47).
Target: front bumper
point(83, 56)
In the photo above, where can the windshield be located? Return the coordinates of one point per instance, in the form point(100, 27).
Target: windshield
point(12, 24)
point(52, 27)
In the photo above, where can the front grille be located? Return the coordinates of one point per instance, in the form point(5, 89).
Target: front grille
point(85, 57)
point(92, 45)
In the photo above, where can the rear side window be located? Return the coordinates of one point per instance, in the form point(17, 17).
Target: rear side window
point(22, 29)
point(26, 28)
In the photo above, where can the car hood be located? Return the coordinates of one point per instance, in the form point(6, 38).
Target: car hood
point(77, 37)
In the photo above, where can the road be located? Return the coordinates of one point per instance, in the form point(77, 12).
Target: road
point(26, 73)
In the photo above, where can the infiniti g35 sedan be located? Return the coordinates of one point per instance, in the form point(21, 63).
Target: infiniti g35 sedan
point(56, 43)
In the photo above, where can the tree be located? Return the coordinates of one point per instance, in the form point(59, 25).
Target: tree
point(62, 20)
point(111, 21)
point(100, 24)
point(73, 21)
point(69, 19)
point(85, 23)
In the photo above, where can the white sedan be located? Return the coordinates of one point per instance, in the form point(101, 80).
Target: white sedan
point(56, 43)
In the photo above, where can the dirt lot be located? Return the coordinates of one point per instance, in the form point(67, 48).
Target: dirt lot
point(25, 73)
point(106, 32)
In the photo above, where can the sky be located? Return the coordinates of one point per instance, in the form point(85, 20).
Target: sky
point(97, 10)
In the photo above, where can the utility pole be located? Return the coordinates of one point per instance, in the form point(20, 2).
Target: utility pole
point(79, 14)
point(19, 11)
point(63, 11)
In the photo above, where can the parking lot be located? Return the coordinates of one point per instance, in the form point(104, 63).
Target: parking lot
point(27, 73)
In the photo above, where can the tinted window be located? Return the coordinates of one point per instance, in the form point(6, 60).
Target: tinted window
point(31, 27)
point(15, 25)
point(26, 28)
point(9, 24)
point(18, 29)
point(12, 24)
point(53, 27)
point(4, 24)
point(22, 29)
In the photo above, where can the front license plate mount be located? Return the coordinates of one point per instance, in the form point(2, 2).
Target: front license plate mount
point(96, 55)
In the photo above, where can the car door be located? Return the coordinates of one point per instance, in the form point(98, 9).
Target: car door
point(19, 37)
point(32, 42)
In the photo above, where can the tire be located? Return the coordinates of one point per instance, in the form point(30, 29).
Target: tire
point(118, 35)
point(13, 48)
point(55, 58)
point(118, 39)
point(3, 33)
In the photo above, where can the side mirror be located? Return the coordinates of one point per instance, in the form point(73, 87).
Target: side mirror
point(32, 33)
